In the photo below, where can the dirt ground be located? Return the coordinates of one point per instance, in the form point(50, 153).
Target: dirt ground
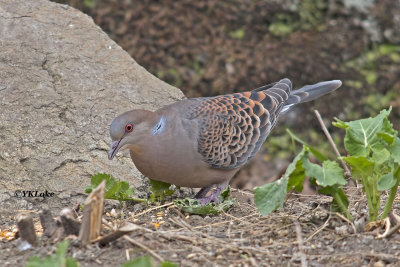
point(303, 229)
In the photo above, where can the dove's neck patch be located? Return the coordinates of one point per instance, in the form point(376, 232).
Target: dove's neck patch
point(160, 126)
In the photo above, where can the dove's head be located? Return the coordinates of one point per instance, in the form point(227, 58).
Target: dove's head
point(129, 130)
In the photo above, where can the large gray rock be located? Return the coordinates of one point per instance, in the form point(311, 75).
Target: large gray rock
point(62, 81)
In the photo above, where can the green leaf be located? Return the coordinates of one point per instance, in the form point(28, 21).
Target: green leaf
point(295, 172)
point(193, 206)
point(98, 178)
point(296, 178)
point(321, 157)
point(380, 154)
point(159, 190)
point(338, 197)
point(360, 166)
point(388, 134)
point(395, 150)
point(111, 188)
point(115, 189)
point(71, 262)
point(144, 261)
point(386, 182)
point(340, 124)
point(95, 180)
point(271, 196)
point(57, 259)
point(329, 174)
point(292, 166)
point(362, 134)
point(343, 198)
point(387, 137)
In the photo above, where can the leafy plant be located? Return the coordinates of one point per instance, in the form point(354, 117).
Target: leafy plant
point(55, 260)
point(115, 189)
point(329, 177)
point(146, 261)
point(374, 157)
point(159, 190)
point(194, 207)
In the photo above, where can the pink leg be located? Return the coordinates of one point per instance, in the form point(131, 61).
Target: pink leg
point(201, 195)
point(203, 192)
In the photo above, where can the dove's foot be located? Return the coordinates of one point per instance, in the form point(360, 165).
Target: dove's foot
point(204, 200)
point(212, 197)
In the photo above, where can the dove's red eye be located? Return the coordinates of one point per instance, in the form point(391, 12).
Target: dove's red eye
point(129, 127)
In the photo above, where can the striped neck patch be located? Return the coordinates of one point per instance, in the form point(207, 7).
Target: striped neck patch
point(160, 126)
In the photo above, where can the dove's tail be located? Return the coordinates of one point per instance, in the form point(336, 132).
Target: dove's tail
point(311, 92)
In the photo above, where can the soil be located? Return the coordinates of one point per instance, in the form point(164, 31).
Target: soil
point(239, 237)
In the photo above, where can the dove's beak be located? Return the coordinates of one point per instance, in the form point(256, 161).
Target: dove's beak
point(114, 149)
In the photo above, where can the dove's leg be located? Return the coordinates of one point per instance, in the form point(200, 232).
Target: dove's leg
point(203, 192)
point(213, 196)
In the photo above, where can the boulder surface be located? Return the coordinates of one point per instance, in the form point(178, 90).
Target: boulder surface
point(62, 81)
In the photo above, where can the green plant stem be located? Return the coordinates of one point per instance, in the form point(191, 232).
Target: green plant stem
point(373, 198)
point(342, 206)
point(139, 199)
point(389, 202)
point(392, 195)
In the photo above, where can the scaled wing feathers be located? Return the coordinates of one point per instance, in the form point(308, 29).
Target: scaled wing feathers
point(233, 127)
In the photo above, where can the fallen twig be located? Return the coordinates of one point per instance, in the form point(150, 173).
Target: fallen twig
point(151, 252)
point(387, 228)
point(126, 229)
point(389, 231)
point(300, 243)
point(151, 209)
point(319, 229)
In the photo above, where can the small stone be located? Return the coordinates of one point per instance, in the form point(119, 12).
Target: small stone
point(379, 264)
point(113, 213)
point(138, 208)
point(79, 255)
point(283, 232)
point(196, 217)
point(341, 230)
point(367, 239)
point(191, 255)
point(360, 224)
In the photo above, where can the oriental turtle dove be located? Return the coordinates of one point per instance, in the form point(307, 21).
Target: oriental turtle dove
point(203, 142)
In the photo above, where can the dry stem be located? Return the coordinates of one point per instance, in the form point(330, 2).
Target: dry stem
point(347, 172)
